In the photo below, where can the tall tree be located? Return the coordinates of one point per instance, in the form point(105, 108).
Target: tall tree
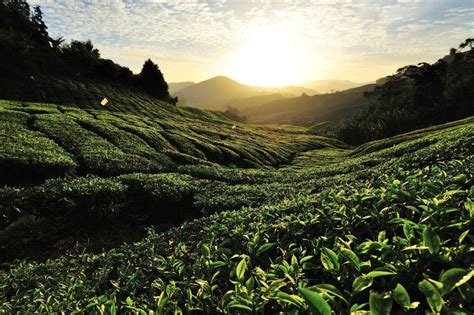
point(151, 81)
point(40, 31)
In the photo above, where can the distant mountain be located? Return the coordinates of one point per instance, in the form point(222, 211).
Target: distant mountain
point(295, 90)
point(309, 110)
point(255, 100)
point(330, 85)
point(176, 86)
point(219, 92)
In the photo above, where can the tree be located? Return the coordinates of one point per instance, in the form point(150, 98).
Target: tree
point(467, 43)
point(20, 7)
point(40, 30)
point(82, 54)
point(452, 51)
point(235, 114)
point(56, 43)
point(151, 81)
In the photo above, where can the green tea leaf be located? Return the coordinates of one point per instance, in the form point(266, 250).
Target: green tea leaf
point(449, 279)
point(331, 290)
point(465, 279)
point(240, 270)
point(329, 259)
point(239, 305)
point(357, 307)
point(433, 296)
point(400, 295)
point(361, 283)
point(431, 240)
point(305, 259)
point(463, 236)
point(380, 273)
point(380, 305)
point(290, 298)
point(315, 302)
point(264, 248)
point(351, 257)
point(206, 252)
point(469, 205)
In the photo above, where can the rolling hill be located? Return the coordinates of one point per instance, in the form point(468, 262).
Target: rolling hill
point(330, 85)
point(253, 101)
point(176, 86)
point(239, 212)
point(309, 110)
point(218, 92)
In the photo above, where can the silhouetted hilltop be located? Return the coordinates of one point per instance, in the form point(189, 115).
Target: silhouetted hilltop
point(330, 85)
point(308, 110)
point(416, 96)
point(219, 92)
point(176, 86)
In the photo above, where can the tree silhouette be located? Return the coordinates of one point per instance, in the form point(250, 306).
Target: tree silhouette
point(56, 43)
point(151, 81)
point(40, 31)
point(468, 42)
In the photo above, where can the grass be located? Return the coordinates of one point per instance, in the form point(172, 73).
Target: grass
point(251, 219)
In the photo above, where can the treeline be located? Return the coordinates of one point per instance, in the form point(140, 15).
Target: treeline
point(417, 96)
point(26, 50)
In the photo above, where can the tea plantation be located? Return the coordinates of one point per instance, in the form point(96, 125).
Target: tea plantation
point(246, 219)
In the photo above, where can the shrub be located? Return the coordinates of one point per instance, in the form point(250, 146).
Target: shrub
point(28, 156)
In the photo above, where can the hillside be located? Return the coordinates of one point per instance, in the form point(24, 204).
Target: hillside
point(307, 110)
point(176, 86)
point(27, 52)
point(218, 92)
point(416, 96)
point(331, 85)
point(253, 101)
point(310, 212)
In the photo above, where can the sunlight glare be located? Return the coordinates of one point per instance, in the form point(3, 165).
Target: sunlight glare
point(272, 56)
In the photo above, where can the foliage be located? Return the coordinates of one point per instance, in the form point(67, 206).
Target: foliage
point(152, 82)
point(273, 258)
point(415, 97)
point(385, 227)
point(27, 51)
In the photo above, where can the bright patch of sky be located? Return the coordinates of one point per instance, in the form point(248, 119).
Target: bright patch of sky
point(195, 40)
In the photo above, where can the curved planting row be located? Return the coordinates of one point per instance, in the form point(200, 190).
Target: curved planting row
point(48, 141)
point(396, 241)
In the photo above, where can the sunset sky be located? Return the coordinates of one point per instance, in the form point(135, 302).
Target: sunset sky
point(266, 43)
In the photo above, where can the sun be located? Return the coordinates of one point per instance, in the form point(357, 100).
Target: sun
point(271, 56)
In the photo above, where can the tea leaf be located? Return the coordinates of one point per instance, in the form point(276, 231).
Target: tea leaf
point(315, 301)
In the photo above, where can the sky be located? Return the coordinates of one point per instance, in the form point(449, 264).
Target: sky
point(265, 43)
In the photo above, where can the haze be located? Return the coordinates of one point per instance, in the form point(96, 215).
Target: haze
point(265, 43)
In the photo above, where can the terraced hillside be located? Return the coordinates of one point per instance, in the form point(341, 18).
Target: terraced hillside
point(102, 159)
point(247, 219)
point(86, 94)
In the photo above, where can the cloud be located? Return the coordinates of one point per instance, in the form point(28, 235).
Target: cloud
point(191, 37)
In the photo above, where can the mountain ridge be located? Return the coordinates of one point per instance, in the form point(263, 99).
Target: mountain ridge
point(217, 92)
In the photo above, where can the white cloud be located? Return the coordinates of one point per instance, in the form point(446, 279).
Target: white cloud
point(191, 37)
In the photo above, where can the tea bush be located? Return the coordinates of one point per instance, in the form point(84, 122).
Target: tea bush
point(392, 242)
point(315, 225)
point(28, 155)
